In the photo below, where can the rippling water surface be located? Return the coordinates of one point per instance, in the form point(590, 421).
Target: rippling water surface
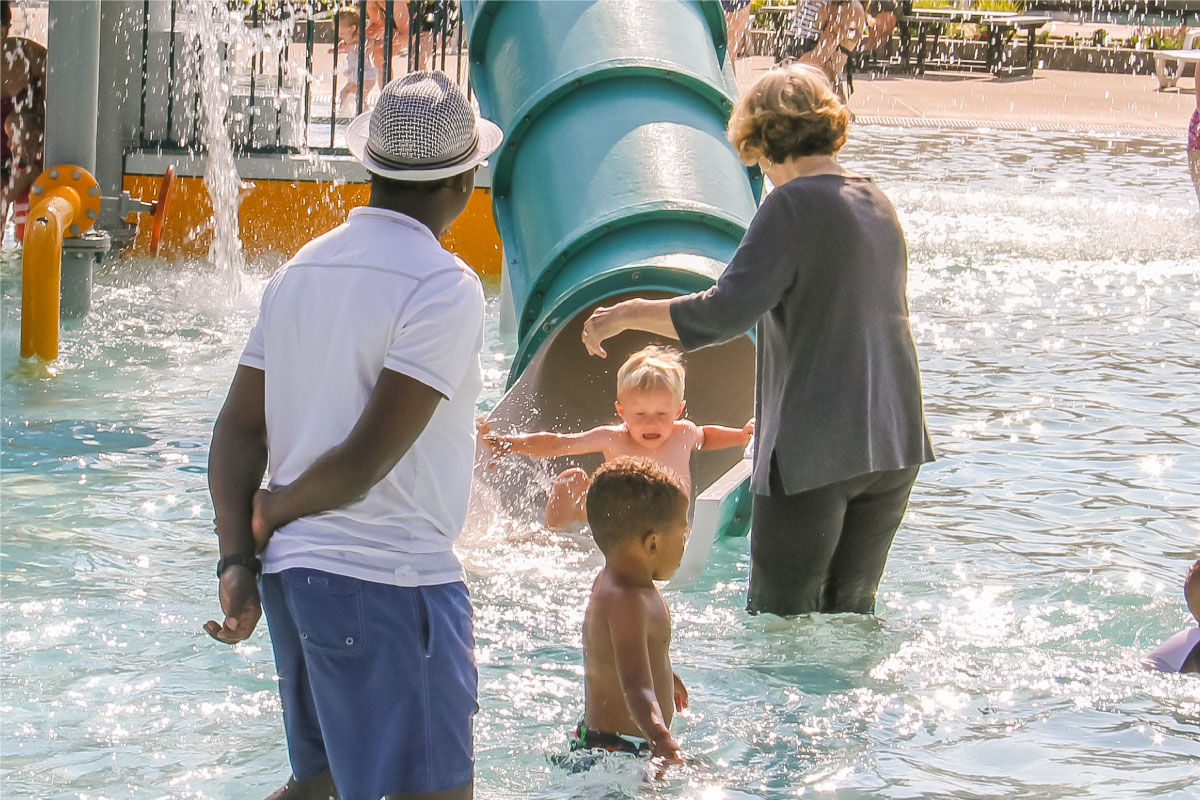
point(1055, 290)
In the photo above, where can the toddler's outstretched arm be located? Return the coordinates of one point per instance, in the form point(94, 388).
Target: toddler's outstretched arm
point(719, 437)
point(543, 444)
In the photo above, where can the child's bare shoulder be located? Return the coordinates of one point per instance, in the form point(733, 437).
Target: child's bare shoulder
point(617, 601)
point(606, 434)
point(690, 432)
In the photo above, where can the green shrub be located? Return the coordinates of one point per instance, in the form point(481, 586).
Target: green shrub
point(1001, 5)
point(1157, 38)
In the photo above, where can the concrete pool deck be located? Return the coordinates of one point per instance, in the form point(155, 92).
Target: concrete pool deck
point(1051, 99)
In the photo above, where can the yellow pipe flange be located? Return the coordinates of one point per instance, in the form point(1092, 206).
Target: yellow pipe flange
point(80, 182)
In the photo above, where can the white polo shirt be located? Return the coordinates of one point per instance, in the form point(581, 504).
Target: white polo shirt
point(376, 292)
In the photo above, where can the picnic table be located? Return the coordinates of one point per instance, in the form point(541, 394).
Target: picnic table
point(1002, 28)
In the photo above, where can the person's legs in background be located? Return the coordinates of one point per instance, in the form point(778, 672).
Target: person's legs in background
point(1193, 147)
point(883, 19)
point(737, 25)
point(565, 508)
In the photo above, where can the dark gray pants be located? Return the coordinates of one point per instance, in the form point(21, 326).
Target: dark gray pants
point(824, 549)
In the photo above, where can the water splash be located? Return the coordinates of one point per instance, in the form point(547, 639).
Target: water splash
point(222, 41)
point(210, 26)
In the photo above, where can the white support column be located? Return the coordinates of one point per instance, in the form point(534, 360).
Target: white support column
point(72, 99)
point(72, 91)
point(122, 24)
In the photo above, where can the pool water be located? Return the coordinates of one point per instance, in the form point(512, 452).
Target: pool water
point(1055, 292)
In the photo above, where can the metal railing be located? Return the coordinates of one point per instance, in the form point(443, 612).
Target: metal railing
point(296, 63)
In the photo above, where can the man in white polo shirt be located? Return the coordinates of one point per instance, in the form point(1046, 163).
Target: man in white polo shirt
point(356, 395)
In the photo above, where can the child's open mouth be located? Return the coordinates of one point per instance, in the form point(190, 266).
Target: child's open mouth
point(651, 436)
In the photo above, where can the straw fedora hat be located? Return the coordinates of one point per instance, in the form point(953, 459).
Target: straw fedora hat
point(422, 129)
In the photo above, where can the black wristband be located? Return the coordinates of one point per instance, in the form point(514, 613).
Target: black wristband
point(249, 562)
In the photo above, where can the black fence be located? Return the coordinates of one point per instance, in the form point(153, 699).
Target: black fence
point(301, 92)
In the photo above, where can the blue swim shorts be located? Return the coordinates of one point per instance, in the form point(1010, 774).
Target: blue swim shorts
point(378, 682)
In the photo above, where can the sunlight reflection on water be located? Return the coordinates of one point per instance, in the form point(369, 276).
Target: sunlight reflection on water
point(1055, 301)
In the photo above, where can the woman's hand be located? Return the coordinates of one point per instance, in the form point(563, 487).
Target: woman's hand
point(604, 323)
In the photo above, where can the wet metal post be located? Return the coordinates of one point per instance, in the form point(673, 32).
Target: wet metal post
point(73, 68)
point(123, 32)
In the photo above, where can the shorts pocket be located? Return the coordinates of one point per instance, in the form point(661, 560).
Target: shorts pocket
point(327, 610)
point(422, 621)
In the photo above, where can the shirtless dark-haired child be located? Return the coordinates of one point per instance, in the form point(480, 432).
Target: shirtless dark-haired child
point(637, 510)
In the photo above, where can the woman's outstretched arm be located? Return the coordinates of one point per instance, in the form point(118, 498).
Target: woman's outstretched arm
point(653, 316)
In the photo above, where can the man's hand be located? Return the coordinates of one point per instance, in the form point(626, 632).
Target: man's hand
point(681, 692)
point(748, 428)
point(239, 601)
point(261, 520)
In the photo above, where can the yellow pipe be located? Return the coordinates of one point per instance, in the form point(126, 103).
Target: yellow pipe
point(41, 272)
point(66, 203)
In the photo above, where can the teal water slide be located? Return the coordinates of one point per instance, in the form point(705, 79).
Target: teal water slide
point(615, 180)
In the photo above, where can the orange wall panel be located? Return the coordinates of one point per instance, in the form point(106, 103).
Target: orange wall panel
point(281, 216)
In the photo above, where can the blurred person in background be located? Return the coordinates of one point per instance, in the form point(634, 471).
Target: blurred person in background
point(1193, 146)
point(825, 34)
point(22, 114)
point(737, 22)
point(377, 41)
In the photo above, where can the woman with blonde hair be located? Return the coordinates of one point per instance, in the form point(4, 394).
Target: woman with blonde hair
point(821, 273)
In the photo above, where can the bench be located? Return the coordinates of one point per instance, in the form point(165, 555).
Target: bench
point(1002, 27)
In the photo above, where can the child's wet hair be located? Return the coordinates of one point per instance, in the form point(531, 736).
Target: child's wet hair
point(630, 497)
point(651, 368)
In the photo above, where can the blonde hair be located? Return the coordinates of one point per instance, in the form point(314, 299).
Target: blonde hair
point(790, 111)
point(652, 368)
point(348, 16)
